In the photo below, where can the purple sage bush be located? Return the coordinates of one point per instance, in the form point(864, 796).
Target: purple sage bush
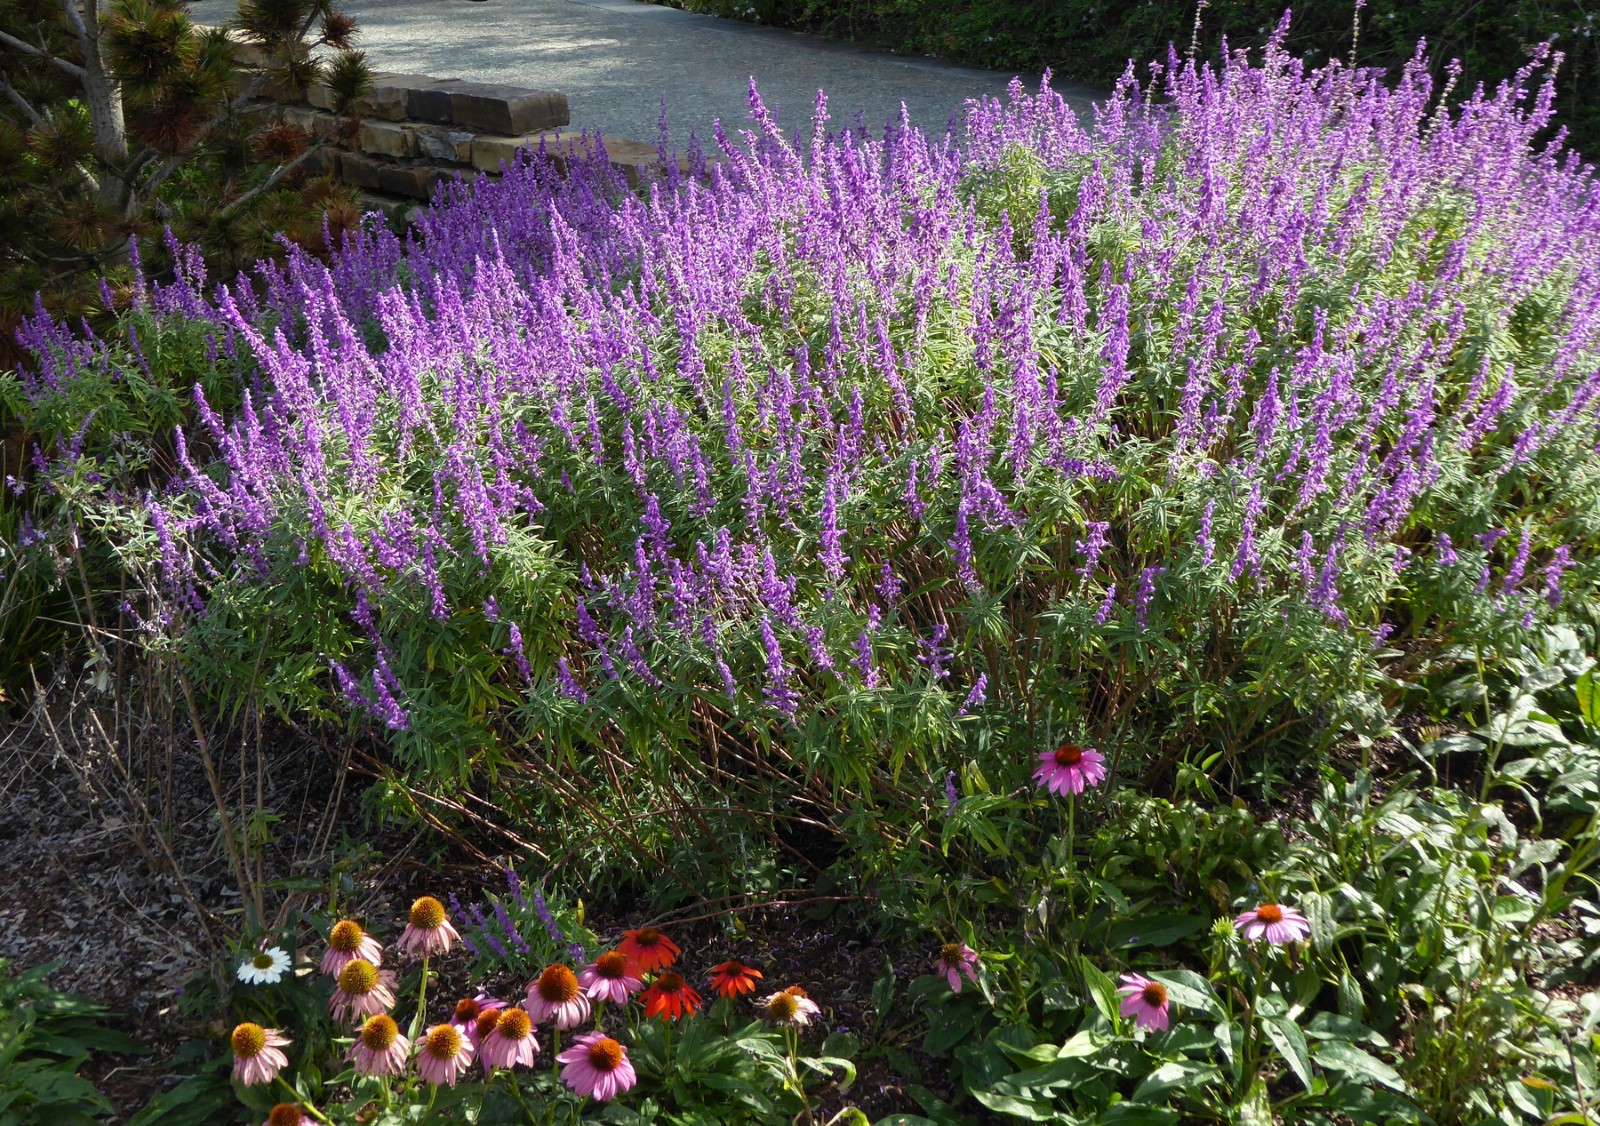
point(745, 509)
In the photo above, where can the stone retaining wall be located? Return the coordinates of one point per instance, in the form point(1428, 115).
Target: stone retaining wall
point(413, 131)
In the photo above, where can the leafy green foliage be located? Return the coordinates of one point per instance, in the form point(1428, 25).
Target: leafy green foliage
point(46, 1036)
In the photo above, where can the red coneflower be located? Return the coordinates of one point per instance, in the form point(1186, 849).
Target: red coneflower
point(733, 977)
point(670, 997)
point(648, 950)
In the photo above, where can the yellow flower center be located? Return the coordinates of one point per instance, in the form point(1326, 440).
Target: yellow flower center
point(783, 1006)
point(467, 1010)
point(950, 953)
point(346, 936)
point(612, 965)
point(1269, 913)
point(358, 976)
point(605, 1054)
point(284, 1114)
point(379, 1032)
point(558, 985)
point(796, 991)
point(514, 1024)
point(1155, 993)
point(487, 1021)
point(427, 913)
point(262, 961)
point(443, 1043)
point(249, 1040)
point(1069, 755)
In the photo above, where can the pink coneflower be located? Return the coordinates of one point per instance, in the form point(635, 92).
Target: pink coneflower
point(1144, 1000)
point(510, 1043)
point(648, 950)
point(256, 1058)
point(790, 1006)
point(380, 1049)
point(1278, 924)
point(347, 942)
point(955, 959)
point(445, 1052)
point(597, 1065)
point(288, 1114)
point(557, 997)
point(1070, 769)
point(610, 977)
point(364, 991)
point(428, 931)
point(468, 1010)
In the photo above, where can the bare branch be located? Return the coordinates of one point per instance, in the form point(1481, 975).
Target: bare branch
point(76, 20)
point(40, 53)
point(272, 180)
point(19, 101)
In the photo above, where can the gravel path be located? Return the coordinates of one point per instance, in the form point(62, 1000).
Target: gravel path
point(614, 59)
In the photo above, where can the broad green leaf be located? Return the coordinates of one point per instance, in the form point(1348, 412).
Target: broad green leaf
point(1102, 991)
point(1338, 1055)
point(1189, 990)
point(1588, 694)
point(1286, 1036)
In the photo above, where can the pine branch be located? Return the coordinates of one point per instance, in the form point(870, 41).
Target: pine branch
point(41, 53)
point(18, 100)
point(272, 180)
point(173, 163)
point(76, 20)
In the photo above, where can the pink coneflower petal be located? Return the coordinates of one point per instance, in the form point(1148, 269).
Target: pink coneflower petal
point(428, 930)
point(288, 1114)
point(364, 991)
point(443, 1054)
point(557, 996)
point(257, 1058)
point(597, 1066)
point(1070, 769)
point(468, 1011)
point(347, 942)
point(956, 959)
point(610, 977)
point(510, 1043)
point(380, 1049)
point(790, 1006)
point(1145, 1001)
point(1277, 923)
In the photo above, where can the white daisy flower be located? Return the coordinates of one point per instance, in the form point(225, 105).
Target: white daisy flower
point(265, 968)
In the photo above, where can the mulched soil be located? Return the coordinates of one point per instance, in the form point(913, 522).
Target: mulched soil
point(108, 859)
point(85, 834)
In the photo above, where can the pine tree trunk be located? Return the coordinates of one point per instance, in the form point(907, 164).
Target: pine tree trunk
point(103, 98)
